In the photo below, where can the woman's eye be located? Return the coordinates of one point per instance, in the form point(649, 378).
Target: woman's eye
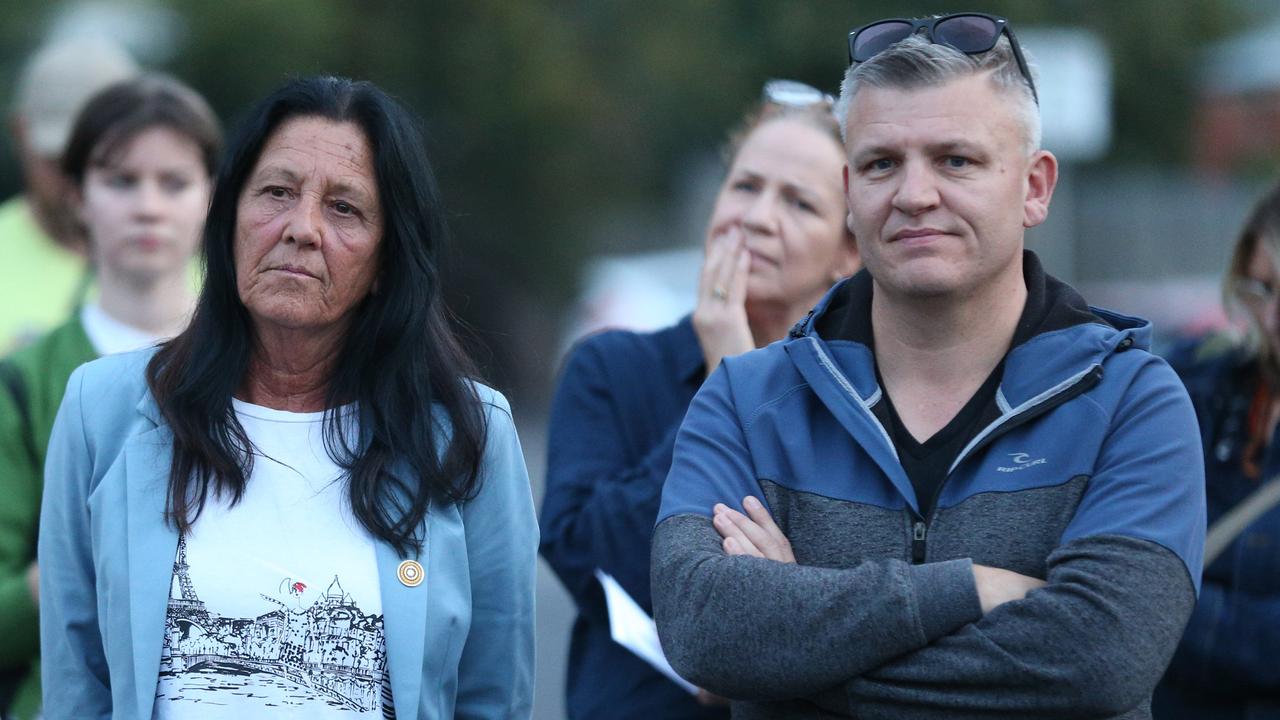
point(119, 180)
point(804, 205)
point(278, 193)
point(174, 184)
point(344, 208)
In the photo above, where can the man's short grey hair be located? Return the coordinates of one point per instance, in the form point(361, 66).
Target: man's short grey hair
point(916, 63)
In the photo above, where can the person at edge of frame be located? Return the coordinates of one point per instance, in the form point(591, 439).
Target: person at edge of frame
point(1220, 671)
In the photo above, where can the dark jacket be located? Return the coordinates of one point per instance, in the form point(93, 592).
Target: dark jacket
point(1228, 664)
point(1090, 478)
point(620, 400)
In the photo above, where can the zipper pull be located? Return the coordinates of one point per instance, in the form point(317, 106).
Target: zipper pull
point(918, 535)
point(797, 330)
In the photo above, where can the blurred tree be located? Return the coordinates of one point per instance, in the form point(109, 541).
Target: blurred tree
point(545, 115)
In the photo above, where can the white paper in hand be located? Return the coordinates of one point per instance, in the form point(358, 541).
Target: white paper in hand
point(631, 628)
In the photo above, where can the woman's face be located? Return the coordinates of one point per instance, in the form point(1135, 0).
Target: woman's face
point(1260, 296)
point(308, 227)
point(784, 190)
point(144, 210)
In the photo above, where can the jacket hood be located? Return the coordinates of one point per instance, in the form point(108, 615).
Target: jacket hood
point(1059, 337)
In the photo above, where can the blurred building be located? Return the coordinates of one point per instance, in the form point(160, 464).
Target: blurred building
point(1237, 114)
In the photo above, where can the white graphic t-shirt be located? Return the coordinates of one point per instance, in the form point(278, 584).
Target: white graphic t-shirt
point(274, 609)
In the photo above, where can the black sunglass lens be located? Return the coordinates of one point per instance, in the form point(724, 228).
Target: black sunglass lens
point(967, 33)
point(875, 39)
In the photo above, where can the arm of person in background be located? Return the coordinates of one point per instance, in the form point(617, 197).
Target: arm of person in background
point(20, 488)
point(1230, 640)
point(495, 673)
point(599, 506)
point(73, 662)
point(753, 629)
point(598, 509)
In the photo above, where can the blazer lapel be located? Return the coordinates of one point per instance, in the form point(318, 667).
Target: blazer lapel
point(404, 615)
point(152, 545)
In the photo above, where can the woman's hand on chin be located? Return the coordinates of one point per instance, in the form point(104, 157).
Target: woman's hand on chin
point(720, 317)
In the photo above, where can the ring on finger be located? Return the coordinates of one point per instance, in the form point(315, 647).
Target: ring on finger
point(719, 292)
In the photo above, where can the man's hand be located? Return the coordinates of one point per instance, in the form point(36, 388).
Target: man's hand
point(997, 587)
point(754, 534)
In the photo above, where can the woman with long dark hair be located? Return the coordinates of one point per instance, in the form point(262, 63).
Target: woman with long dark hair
point(304, 503)
point(140, 158)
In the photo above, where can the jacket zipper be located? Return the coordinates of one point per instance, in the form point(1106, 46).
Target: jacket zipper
point(920, 528)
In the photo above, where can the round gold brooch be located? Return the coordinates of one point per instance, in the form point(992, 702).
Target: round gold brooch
point(410, 573)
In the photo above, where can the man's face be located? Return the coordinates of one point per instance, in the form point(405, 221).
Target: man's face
point(940, 186)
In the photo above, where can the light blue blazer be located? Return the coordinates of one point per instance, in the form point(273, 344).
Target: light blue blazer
point(458, 645)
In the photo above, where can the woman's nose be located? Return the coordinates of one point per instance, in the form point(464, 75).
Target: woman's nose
point(762, 214)
point(303, 226)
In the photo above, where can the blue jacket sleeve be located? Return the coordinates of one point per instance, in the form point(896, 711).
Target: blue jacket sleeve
point(495, 673)
point(600, 505)
point(73, 661)
point(1121, 586)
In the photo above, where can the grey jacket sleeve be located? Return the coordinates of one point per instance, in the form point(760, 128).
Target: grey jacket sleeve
point(755, 629)
point(1094, 642)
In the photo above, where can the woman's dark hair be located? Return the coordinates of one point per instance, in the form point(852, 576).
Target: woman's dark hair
point(420, 425)
point(119, 112)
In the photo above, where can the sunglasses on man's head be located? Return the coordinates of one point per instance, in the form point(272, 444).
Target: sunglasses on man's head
point(970, 33)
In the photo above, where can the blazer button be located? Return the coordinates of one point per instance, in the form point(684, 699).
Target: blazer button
point(410, 573)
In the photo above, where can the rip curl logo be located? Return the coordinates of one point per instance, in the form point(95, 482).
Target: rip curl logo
point(1021, 461)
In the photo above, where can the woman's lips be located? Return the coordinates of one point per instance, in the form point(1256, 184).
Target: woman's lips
point(293, 270)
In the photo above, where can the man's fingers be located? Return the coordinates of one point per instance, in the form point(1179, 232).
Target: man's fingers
point(736, 542)
point(757, 512)
point(755, 534)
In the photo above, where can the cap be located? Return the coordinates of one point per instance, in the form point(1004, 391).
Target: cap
point(57, 82)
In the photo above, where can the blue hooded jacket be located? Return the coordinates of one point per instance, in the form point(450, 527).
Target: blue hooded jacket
point(1090, 478)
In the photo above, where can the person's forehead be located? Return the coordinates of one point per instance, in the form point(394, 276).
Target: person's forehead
point(310, 145)
point(966, 109)
point(793, 151)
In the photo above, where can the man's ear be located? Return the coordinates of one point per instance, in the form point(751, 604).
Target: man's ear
point(1042, 178)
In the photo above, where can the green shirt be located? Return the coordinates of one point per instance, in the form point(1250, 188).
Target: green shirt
point(40, 281)
point(44, 368)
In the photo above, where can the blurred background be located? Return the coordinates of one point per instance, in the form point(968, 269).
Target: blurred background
point(578, 144)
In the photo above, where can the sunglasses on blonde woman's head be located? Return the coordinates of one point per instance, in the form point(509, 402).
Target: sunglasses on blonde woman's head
point(792, 93)
point(970, 33)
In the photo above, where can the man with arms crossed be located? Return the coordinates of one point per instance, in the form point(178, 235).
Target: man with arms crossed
point(988, 496)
